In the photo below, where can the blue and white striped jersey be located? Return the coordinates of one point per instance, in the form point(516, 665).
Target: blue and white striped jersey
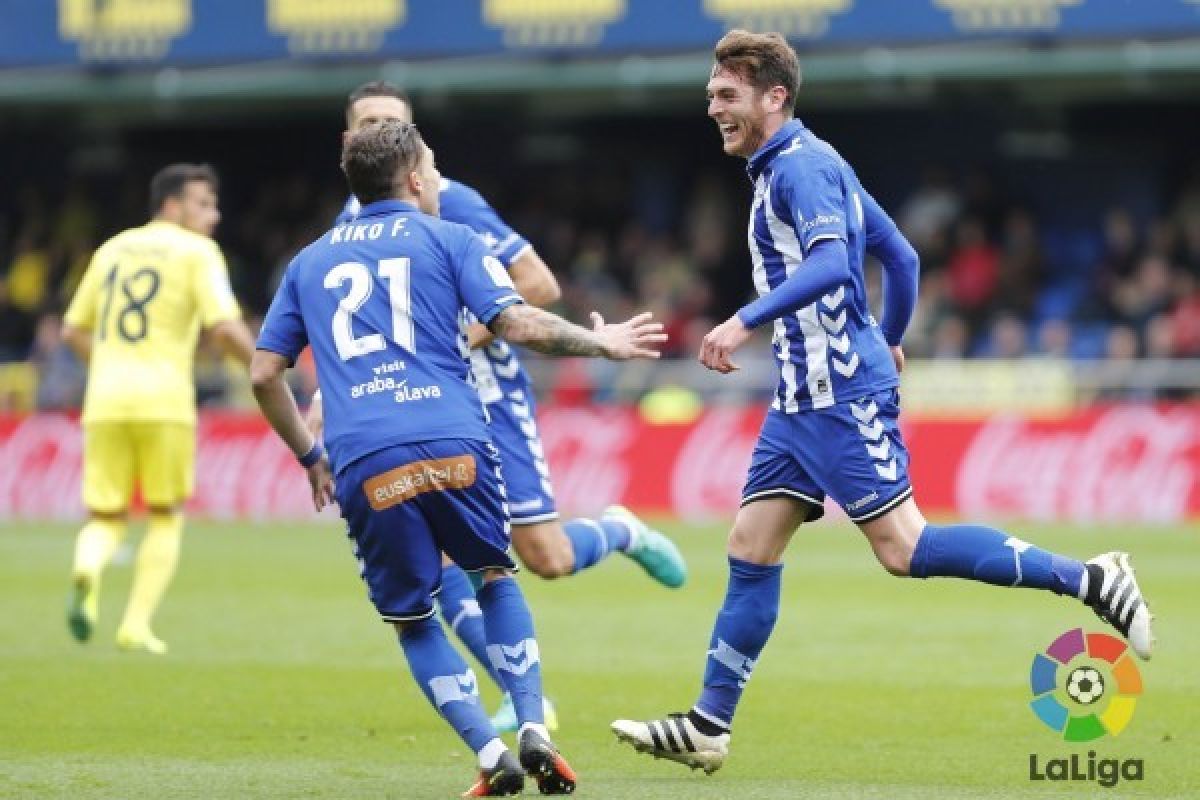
point(832, 350)
point(496, 369)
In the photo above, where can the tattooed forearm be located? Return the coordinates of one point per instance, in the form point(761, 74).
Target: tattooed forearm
point(545, 332)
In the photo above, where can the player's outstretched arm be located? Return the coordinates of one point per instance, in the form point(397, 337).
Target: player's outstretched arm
point(638, 337)
point(279, 407)
point(534, 282)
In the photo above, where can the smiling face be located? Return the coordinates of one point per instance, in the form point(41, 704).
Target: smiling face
point(746, 117)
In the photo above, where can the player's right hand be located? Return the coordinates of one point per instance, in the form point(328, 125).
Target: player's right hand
point(637, 337)
point(320, 479)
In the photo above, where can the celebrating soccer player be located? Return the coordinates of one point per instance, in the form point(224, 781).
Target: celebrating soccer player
point(380, 299)
point(832, 428)
point(546, 546)
point(136, 317)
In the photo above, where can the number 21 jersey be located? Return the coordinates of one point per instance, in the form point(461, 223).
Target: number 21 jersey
point(380, 299)
point(145, 296)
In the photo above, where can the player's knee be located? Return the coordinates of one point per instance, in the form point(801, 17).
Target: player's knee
point(546, 557)
point(895, 558)
point(741, 543)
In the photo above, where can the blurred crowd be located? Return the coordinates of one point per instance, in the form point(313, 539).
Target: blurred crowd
point(998, 280)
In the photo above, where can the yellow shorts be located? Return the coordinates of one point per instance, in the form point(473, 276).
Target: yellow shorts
point(159, 456)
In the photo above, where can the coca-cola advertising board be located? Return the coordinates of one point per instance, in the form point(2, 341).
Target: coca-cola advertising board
point(1128, 463)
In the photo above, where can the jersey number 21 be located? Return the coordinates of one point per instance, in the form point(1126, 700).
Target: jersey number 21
point(397, 272)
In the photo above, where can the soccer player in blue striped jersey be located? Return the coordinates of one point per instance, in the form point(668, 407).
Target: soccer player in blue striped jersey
point(379, 300)
point(832, 429)
point(546, 546)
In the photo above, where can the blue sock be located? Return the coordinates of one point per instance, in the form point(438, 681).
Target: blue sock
point(512, 646)
point(446, 680)
point(592, 540)
point(461, 612)
point(743, 626)
point(986, 554)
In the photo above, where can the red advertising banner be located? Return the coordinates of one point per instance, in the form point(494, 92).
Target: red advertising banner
point(1134, 463)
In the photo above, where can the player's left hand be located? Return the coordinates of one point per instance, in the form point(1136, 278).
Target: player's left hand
point(898, 357)
point(320, 479)
point(721, 342)
point(637, 337)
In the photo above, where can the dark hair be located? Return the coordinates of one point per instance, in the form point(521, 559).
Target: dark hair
point(375, 156)
point(169, 182)
point(763, 60)
point(375, 89)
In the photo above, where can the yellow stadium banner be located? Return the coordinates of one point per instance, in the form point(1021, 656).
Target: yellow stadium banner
point(981, 388)
point(798, 18)
point(334, 26)
point(977, 16)
point(123, 29)
point(553, 23)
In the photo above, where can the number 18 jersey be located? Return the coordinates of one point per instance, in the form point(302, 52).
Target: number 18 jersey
point(145, 296)
point(380, 300)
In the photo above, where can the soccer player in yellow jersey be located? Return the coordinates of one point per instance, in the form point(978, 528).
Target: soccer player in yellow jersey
point(136, 317)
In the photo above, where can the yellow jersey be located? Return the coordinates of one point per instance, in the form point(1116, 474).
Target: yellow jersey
point(145, 296)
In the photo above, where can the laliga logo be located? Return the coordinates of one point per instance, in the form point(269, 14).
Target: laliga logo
point(1087, 669)
point(1085, 686)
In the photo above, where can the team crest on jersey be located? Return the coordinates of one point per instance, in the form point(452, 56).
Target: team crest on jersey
point(808, 18)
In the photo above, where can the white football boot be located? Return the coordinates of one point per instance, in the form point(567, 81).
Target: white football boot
point(675, 738)
point(1114, 595)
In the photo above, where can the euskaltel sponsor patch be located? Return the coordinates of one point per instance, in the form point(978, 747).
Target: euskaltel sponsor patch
point(405, 482)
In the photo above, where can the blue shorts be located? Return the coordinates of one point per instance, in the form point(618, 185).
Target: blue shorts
point(406, 505)
point(852, 452)
point(522, 459)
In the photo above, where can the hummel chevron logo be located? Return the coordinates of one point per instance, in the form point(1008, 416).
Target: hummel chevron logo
point(529, 428)
point(866, 413)
point(454, 688)
point(516, 659)
point(793, 147)
point(873, 432)
point(521, 410)
point(888, 473)
point(847, 369)
point(834, 299)
point(881, 451)
point(834, 324)
point(733, 660)
point(507, 369)
point(839, 343)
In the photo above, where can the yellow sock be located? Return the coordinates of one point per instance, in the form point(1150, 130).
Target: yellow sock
point(155, 566)
point(95, 545)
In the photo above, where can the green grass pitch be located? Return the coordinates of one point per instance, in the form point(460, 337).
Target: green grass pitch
point(281, 683)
